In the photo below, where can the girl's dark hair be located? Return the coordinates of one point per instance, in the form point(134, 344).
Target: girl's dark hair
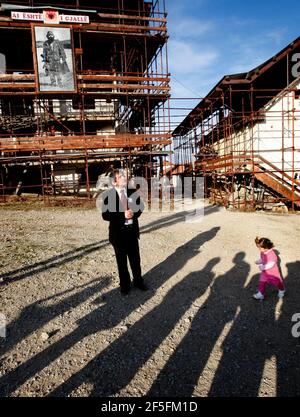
point(264, 243)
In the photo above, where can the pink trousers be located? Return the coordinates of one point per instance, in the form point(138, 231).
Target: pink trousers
point(265, 279)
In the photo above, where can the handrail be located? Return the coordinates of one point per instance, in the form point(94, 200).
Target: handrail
point(255, 159)
point(265, 161)
point(154, 85)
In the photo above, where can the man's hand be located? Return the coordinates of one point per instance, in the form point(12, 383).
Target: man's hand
point(128, 214)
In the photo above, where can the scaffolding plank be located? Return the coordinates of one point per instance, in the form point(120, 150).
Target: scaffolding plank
point(132, 17)
point(124, 87)
point(83, 142)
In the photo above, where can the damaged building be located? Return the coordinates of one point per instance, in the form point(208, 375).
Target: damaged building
point(101, 100)
point(244, 137)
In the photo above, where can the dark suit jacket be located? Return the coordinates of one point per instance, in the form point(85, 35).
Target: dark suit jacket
point(113, 211)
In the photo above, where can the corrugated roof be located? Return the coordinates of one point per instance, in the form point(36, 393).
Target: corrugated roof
point(213, 100)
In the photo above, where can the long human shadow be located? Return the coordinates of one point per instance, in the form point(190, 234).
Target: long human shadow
point(108, 375)
point(108, 315)
point(180, 375)
point(53, 262)
point(175, 218)
point(255, 338)
point(245, 348)
point(287, 349)
point(78, 253)
point(35, 316)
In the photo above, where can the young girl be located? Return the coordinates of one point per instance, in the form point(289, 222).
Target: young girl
point(269, 269)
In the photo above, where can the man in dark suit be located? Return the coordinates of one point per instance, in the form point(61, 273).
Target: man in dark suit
point(122, 206)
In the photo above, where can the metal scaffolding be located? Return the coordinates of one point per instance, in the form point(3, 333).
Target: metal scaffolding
point(244, 137)
point(59, 143)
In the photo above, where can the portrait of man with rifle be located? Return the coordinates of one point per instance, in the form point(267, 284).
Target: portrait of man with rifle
point(54, 58)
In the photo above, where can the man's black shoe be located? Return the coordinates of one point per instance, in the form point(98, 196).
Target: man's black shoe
point(140, 285)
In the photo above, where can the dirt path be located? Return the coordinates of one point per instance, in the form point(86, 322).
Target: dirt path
point(196, 332)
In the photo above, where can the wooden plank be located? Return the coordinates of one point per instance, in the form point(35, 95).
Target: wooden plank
point(125, 28)
point(120, 137)
point(101, 27)
point(13, 93)
point(122, 16)
point(159, 96)
point(96, 77)
point(36, 146)
point(103, 77)
point(16, 85)
point(123, 138)
point(212, 166)
point(123, 87)
point(14, 77)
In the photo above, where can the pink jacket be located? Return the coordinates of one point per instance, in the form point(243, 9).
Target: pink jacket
point(268, 264)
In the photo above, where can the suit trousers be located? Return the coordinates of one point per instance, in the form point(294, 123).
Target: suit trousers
point(127, 248)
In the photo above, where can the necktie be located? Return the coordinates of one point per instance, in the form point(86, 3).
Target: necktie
point(124, 200)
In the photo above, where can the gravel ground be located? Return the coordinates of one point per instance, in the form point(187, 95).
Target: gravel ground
point(196, 332)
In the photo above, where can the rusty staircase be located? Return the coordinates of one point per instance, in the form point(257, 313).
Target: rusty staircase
point(277, 181)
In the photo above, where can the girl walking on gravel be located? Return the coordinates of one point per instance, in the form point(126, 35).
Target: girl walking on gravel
point(268, 265)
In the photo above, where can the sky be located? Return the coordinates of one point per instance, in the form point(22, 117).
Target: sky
point(210, 39)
